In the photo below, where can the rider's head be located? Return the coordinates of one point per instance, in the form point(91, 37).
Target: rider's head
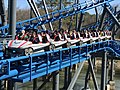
point(23, 31)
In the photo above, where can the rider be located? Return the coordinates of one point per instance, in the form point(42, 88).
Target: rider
point(44, 38)
point(23, 35)
point(78, 35)
point(73, 36)
point(34, 38)
point(56, 36)
point(48, 36)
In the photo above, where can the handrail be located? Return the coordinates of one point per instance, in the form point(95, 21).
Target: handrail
point(37, 65)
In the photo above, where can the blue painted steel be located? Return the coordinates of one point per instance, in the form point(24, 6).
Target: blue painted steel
point(30, 67)
point(11, 74)
point(1, 53)
point(56, 15)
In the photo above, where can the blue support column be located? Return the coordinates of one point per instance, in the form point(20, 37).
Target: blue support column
point(1, 85)
point(93, 74)
point(112, 70)
point(86, 79)
point(65, 78)
point(75, 77)
point(35, 84)
point(2, 12)
point(31, 13)
point(102, 19)
point(107, 70)
point(103, 70)
point(112, 82)
point(12, 18)
point(80, 22)
point(10, 85)
point(56, 80)
point(15, 86)
point(77, 1)
point(70, 24)
point(97, 17)
point(60, 21)
point(90, 70)
point(69, 75)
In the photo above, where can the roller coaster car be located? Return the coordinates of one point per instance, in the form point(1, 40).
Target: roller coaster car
point(58, 43)
point(105, 36)
point(95, 37)
point(72, 41)
point(22, 47)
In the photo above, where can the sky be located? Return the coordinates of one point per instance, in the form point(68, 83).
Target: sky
point(22, 4)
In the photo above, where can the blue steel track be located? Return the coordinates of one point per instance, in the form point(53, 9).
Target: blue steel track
point(27, 68)
point(56, 15)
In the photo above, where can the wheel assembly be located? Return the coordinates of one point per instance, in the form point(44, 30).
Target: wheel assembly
point(52, 47)
point(26, 52)
point(68, 44)
point(30, 51)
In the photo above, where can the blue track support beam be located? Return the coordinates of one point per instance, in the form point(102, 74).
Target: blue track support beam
point(46, 11)
point(2, 13)
point(80, 22)
point(113, 17)
point(31, 13)
point(15, 86)
point(56, 80)
point(70, 24)
point(36, 12)
point(103, 70)
point(57, 15)
point(102, 19)
point(76, 26)
point(97, 17)
point(112, 70)
point(93, 74)
point(45, 81)
point(35, 84)
point(12, 18)
point(86, 79)
point(10, 85)
point(65, 78)
point(107, 71)
point(1, 85)
point(69, 74)
point(117, 14)
point(60, 20)
point(74, 79)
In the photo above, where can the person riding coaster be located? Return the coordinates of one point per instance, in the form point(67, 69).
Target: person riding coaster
point(102, 35)
point(73, 40)
point(57, 40)
point(94, 36)
point(30, 45)
point(108, 34)
point(84, 37)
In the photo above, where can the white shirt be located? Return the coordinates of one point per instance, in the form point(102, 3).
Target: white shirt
point(40, 37)
point(48, 37)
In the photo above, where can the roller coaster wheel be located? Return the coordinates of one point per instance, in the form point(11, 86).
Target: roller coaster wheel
point(68, 44)
point(52, 47)
point(26, 51)
point(30, 51)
